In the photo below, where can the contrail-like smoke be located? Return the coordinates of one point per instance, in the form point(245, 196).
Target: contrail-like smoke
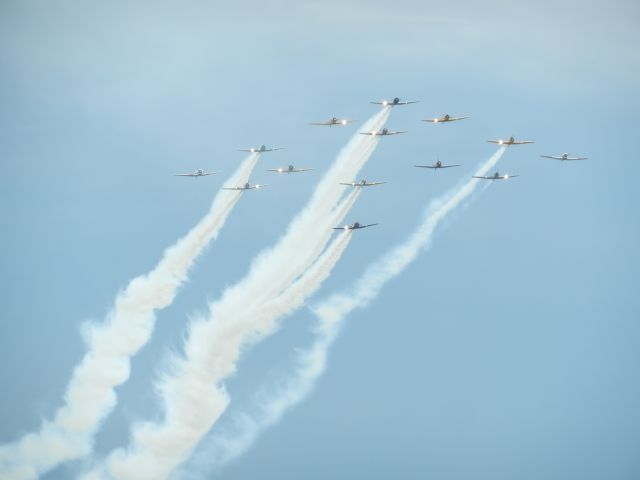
point(193, 394)
point(90, 395)
point(228, 444)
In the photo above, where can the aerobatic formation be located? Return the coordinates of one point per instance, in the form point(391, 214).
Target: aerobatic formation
point(280, 280)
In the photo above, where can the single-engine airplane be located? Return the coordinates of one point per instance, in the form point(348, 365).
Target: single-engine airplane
point(444, 119)
point(247, 186)
point(261, 149)
point(384, 132)
point(511, 141)
point(564, 156)
point(394, 102)
point(438, 165)
point(333, 121)
point(354, 226)
point(289, 169)
point(196, 173)
point(362, 183)
point(496, 176)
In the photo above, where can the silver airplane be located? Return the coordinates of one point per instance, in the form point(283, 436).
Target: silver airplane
point(354, 226)
point(496, 176)
point(564, 156)
point(444, 119)
point(260, 149)
point(289, 169)
point(247, 186)
point(384, 132)
point(511, 141)
point(362, 183)
point(333, 121)
point(196, 173)
point(394, 102)
point(438, 165)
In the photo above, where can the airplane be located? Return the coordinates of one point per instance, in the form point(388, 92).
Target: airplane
point(497, 176)
point(511, 141)
point(394, 102)
point(289, 169)
point(383, 132)
point(362, 183)
point(333, 121)
point(196, 173)
point(354, 226)
point(564, 156)
point(438, 165)
point(262, 149)
point(247, 186)
point(444, 118)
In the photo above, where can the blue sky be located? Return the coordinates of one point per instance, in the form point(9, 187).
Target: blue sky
point(510, 349)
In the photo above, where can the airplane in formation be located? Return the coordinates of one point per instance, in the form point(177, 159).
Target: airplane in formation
point(438, 165)
point(394, 102)
point(496, 176)
point(384, 132)
point(196, 173)
point(362, 183)
point(511, 141)
point(564, 156)
point(333, 121)
point(289, 169)
point(260, 149)
point(247, 186)
point(354, 226)
point(444, 119)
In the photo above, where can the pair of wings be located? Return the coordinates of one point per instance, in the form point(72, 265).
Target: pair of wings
point(380, 134)
point(444, 119)
point(501, 177)
point(329, 123)
point(195, 174)
point(507, 142)
point(435, 167)
point(287, 170)
point(351, 227)
point(257, 150)
point(564, 158)
point(360, 184)
point(387, 102)
point(252, 187)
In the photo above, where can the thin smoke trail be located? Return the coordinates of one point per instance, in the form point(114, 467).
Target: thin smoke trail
point(192, 392)
point(226, 445)
point(90, 395)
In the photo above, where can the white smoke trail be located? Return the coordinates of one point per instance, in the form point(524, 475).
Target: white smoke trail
point(193, 394)
point(226, 445)
point(90, 395)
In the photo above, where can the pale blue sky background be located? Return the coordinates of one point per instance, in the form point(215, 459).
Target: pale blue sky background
point(509, 350)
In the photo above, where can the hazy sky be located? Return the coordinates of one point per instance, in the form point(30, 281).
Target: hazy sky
point(508, 350)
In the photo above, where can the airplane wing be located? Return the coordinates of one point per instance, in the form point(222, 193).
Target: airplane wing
point(484, 178)
point(380, 103)
point(320, 123)
point(426, 166)
point(233, 188)
point(369, 133)
point(349, 184)
point(497, 141)
point(274, 149)
point(297, 170)
point(247, 150)
point(185, 175)
point(365, 226)
point(551, 156)
point(578, 158)
point(371, 184)
point(521, 142)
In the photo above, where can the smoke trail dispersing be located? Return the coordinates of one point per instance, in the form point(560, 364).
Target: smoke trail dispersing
point(224, 446)
point(193, 394)
point(127, 328)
